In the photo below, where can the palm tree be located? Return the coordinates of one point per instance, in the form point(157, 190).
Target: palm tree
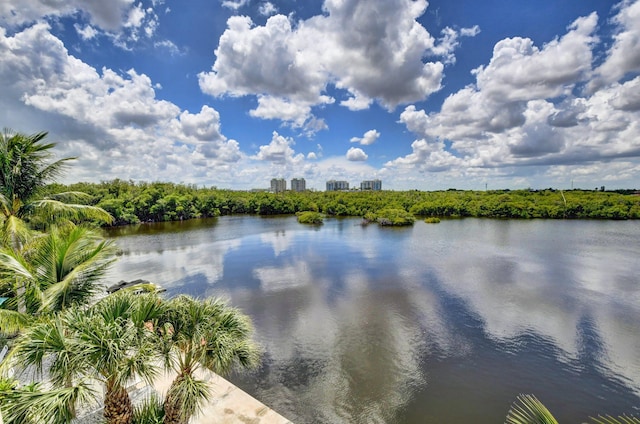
point(53, 272)
point(32, 404)
point(26, 167)
point(111, 342)
point(527, 409)
point(201, 334)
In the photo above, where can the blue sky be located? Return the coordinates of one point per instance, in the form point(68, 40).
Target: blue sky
point(422, 95)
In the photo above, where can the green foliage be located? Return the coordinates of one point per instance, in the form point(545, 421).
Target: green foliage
point(309, 217)
point(527, 409)
point(53, 272)
point(26, 167)
point(150, 411)
point(131, 202)
point(32, 404)
point(391, 217)
point(111, 342)
point(432, 220)
point(123, 337)
point(51, 277)
point(201, 334)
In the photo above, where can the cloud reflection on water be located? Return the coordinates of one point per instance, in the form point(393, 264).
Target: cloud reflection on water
point(357, 322)
point(170, 267)
point(525, 282)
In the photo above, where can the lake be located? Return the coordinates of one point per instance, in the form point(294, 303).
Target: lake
point(435, 323)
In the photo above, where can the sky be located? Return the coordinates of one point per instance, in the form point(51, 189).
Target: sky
point(434, 95)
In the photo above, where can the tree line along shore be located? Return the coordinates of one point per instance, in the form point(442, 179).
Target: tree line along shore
point(134, 202)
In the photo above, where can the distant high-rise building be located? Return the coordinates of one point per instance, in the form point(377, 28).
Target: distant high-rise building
point(371, 185)
point(334, 185)
point(278, 185)
point(298, 184)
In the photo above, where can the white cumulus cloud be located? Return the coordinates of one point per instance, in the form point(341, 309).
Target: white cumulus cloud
point(122, 21)
point(624, 54)
point(108, 15)
point(267, 9)
point(87, 32)
point(526, 108)
point(356, 154)
point(234, 4)
point(519, 70)
point(279, 151)
point(371, 50)
point(112, 120)
point(368, 138)
point(470, 32)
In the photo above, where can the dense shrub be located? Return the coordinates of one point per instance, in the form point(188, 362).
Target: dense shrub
point(309, 217)
point(391, 217)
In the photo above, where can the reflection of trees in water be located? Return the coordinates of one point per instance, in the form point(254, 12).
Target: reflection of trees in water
point(153, 228)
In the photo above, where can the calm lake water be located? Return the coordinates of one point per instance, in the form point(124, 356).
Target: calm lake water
point(436, 323)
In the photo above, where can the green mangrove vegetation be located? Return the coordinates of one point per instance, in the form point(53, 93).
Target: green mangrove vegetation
point(133, 202)
point(309, 217)
point(390, 216)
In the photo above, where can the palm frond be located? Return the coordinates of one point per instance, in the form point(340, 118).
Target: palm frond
point(54, 169)
point(55, 406)
point(201, 333)
point(211, 334)
point(58, 269)
point(25, 165)
point(188, 394)
point(527, 409)
point(148, 308)
point(140, 361)
point(114, 344)
point(75, 262)
point(6, 205)
point(150, 411)
point(13, 265)
point(69, 196)
point(14, 232)
point(115, 306)
point(12, 322)
point(55, 210)
point(44, 338)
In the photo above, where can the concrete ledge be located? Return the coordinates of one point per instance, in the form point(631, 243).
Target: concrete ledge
point(228, 404)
